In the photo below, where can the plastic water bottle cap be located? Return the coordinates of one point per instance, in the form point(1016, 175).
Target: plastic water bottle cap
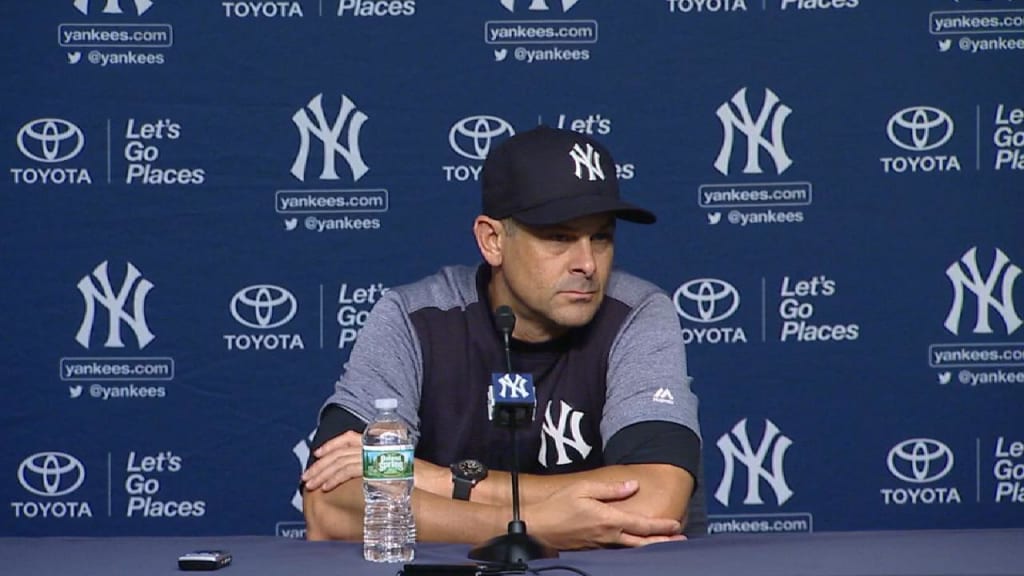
point(385, 403)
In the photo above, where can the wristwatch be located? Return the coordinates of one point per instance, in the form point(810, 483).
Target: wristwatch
point(465, 475)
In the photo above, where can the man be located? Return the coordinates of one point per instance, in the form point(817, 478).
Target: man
point(613, 455)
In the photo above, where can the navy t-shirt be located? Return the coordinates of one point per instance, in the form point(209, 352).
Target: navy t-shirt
point(615, 391)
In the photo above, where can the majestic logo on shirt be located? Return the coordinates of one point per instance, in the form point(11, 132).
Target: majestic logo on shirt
point(565, 434)
point(664, 396)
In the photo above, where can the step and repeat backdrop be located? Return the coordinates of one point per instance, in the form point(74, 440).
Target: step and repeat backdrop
point(202, 200)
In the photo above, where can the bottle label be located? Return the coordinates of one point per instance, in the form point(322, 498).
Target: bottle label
point(388, 462)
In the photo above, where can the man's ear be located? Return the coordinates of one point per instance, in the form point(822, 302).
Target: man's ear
point(490, 238)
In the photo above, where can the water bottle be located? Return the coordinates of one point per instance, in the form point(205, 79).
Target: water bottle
point(389, 529)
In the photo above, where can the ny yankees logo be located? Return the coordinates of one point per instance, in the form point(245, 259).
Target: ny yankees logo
point(301, 451)
point(330, 135)
point(540, 5)
point(114, 6)
point(589, 159)
point(115, 305)
point(568, 418)
point(984, 289)
point(773, 110)
point(513, 388)
point(755, 461)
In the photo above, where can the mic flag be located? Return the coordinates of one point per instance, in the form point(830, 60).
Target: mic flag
point(511, 392)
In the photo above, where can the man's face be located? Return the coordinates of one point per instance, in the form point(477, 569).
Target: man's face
point(554, 277)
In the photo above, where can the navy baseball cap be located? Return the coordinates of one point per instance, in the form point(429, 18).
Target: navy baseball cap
point(548, 176)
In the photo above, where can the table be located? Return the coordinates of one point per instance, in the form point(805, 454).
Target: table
point(883, 553)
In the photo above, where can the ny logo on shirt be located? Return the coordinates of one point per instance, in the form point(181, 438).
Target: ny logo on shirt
point(565, 434)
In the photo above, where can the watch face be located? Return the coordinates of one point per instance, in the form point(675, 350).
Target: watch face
point(471, 469)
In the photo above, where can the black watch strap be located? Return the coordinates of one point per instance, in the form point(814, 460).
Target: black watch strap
point(462, 488)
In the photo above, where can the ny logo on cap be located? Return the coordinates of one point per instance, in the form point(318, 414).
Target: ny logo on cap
point(589, 159)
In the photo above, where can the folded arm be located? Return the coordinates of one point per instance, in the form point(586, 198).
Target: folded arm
point(662, 457)
point(569, 511)
point(338, 515)
point(663, 490)
point(576, 516)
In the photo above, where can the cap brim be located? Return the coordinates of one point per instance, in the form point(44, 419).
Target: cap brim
point(565, 209)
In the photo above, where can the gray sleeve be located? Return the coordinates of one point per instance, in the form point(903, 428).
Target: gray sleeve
point(647, 378)
point(386, 362)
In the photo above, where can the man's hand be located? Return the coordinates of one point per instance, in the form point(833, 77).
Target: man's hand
point(339, 460)
point(580, 516)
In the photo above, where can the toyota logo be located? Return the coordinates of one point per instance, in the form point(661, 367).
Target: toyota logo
point(920, 128)
point(263, 306)
point(706, 300)
point(920, 460)
point(472, 137)
point(50, 140)
point(51, 474)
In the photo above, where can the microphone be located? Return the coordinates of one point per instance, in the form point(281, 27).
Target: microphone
point(511, 395)
point(513, 398)
point(506, 321)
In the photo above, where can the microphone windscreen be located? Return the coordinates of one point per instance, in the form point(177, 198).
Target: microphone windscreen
point(505, 319)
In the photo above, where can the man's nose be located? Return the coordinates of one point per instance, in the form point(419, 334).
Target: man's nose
point(583, 261)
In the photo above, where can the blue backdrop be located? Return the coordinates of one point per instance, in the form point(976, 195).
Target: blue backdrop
point(202, 200)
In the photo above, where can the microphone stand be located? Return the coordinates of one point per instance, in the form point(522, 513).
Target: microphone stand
point(513, 417)
point(516, 547)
